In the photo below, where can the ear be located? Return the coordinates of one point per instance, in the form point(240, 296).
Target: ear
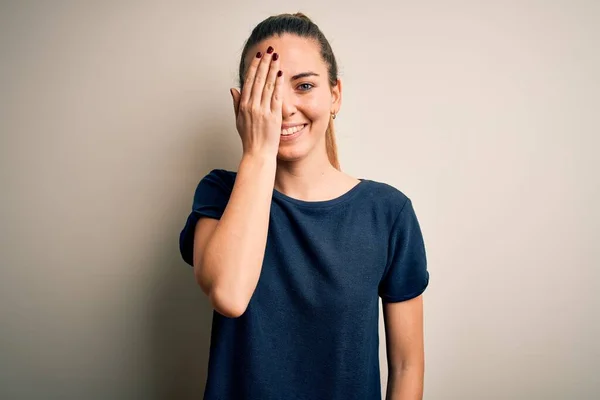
point(336, 96)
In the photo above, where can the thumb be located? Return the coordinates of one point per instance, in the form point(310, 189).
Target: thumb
point(236, 99)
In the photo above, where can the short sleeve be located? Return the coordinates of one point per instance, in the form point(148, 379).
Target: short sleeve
point(406, 274)
point(210, 199)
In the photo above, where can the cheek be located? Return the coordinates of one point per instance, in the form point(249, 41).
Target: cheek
point(316, 108)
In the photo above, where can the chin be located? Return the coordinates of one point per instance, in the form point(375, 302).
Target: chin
point(298, 151)
point(290, 155)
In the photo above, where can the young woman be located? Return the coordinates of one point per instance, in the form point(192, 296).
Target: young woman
point(293, 253)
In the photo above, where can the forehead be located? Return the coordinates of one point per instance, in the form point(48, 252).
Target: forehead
point(296, 54)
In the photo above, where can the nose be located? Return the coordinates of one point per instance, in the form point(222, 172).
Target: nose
point(288, 107)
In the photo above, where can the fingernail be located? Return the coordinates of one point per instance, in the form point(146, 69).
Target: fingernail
point(258, 55)
point(279, 73)
point(270, 50)
point(275, 57)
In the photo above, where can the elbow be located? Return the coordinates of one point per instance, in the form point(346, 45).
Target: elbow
point(224, 303)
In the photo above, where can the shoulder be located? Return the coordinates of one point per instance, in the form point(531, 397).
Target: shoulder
point(387, 195)
point(221, 178)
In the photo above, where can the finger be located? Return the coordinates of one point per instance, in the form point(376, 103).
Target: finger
point(260, 78)
point(277, 97)
point(267, 93)
point(250, 73)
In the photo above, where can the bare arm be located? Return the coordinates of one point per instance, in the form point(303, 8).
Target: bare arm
point(405, 349)
point(231, 256)
point(230, 263)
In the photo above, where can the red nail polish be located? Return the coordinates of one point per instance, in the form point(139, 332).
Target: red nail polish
point(279, 73)
point(275, 57)
point(270, 50)
point(258, 55)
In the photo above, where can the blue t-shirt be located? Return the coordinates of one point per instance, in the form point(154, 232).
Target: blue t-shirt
point(310, 331)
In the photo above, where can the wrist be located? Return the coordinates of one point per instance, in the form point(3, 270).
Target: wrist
point(259, 157)
point(259, 161)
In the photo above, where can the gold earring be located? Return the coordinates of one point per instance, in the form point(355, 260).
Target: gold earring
point(333, 115)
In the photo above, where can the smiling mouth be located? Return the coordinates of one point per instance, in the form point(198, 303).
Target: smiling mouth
point(291, 131)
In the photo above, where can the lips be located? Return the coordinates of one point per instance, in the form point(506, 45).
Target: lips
point(293, 136)
point(286, 126)
point(293, 128)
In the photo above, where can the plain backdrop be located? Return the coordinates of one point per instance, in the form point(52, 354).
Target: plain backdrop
point(485, 113)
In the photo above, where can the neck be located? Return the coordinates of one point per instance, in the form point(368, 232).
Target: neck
point(307, 179)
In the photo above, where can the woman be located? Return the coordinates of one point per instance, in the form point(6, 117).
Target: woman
point(292, 252)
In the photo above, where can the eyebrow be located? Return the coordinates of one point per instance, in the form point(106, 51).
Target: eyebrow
point(304, 75)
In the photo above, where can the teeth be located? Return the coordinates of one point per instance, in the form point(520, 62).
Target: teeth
point(292, 130)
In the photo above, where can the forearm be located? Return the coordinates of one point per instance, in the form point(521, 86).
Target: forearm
point(405, 383)
point(234, 255)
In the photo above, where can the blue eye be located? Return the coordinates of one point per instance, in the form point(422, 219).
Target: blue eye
point(309, 84)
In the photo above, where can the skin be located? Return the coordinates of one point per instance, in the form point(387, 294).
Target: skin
point(405, 349)
point(304, 172)
point(303, 169)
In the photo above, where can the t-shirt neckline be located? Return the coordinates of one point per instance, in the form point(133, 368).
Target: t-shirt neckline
point(322, 203)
